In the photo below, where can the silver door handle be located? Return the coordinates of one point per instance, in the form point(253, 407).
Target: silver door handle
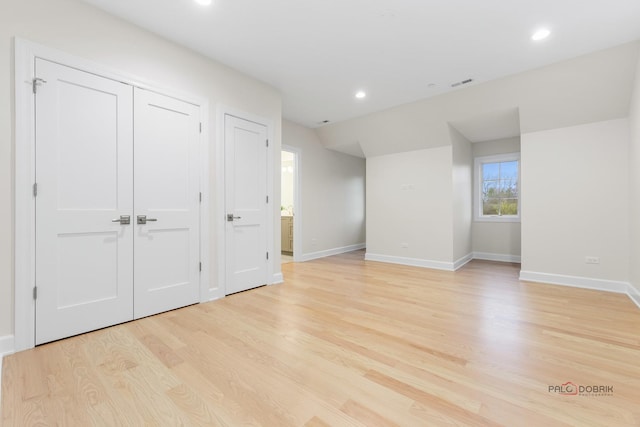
point(123, 220)
point(142, 219)
point(230, 217)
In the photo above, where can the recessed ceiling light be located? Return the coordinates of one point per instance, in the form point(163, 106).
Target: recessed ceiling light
point(361, 94)
point(204, 2)
point(541, 34)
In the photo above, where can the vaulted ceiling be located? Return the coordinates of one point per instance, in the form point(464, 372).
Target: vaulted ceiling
point(319, 53)
point(589, 88)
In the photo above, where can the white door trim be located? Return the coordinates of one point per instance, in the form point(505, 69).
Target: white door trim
point(223, 111)
point(24, 202)
point(297, 202)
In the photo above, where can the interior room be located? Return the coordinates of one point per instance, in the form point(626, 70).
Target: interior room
point(288, 179)
point(231, 213)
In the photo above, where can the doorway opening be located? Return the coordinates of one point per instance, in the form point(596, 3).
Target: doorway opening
point(289, 204)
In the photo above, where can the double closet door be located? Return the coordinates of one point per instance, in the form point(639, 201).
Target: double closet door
point(117, 202)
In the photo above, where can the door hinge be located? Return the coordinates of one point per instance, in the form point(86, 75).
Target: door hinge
point(35, 189)
point(200, 197)
point(35, 292)
point(35, 83)
point(267, 199)
point(200, 127)
point(267, 255)
point(200, 267)
point(267, 143)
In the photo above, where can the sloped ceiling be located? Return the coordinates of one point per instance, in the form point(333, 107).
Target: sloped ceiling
point(586, 89)
point(490, 126)
point(318, 53)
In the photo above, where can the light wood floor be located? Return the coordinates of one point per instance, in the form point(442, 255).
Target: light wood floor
point(345, 342)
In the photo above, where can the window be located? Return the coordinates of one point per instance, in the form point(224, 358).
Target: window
point(497, 188)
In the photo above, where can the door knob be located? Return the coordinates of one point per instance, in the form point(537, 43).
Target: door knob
point(230, 217)
point(123, 220)
point(142, 219)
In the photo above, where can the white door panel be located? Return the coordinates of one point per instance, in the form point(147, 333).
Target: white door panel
point(167, 183)
point(92, 166)
point(84, 170)
point(245, 201)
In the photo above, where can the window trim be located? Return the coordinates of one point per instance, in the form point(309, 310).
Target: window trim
point(478, 216)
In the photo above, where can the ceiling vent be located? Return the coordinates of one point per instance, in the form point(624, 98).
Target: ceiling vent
point(463, 82)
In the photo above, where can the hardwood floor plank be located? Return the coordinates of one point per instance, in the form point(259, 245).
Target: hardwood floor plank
point(453, 409)
point(35, 384)
point(345, 342)
point(191, 404)
point(366, 415)
point(316, 422)
point(321, 371)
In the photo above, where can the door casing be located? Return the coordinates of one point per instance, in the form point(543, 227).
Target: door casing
point(24, 203)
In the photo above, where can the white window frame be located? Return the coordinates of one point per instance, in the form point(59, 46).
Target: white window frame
point(477, 196)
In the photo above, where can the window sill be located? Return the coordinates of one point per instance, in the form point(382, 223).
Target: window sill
point(496, 219)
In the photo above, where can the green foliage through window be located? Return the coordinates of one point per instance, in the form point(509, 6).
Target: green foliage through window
point(500, 188)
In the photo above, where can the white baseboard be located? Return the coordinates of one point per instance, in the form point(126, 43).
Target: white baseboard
point(576, 282)
point(634, 294)
point(462, 261)
point(213, 296)
point(277, 279)
point(496, 257)
point(331, 252)
point(438, 265)
point(413, 262)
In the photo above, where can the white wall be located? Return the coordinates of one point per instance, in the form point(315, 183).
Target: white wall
point(409, 202)
point(462, 161)
point(498, 240)
point(634, 187)
point(332, 193)
point(79, 29)
point(575, 201)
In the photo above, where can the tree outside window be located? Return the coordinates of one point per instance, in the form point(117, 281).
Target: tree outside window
point(498, 188)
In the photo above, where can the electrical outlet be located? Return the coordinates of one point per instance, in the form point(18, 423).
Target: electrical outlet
point(314, 242)
point(592, 260)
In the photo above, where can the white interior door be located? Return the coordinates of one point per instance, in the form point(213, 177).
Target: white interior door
point(84, 175)
point(246, 204)
point(167, 189)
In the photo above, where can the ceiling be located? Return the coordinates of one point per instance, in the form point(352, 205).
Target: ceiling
point(490, 126)
point(319, 53)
